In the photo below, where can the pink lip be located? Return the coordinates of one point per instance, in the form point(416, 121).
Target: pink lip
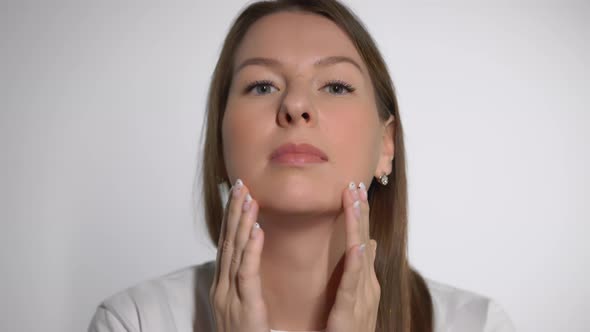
point(291, 153)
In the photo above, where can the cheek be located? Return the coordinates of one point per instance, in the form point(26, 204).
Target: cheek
point(241, 136)
point(354, 139)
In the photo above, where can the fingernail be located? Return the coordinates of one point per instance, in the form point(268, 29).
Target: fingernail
point(254, 231)
point(235, 190)
point(352, 188)
point(357, 209)
point(247, 203)
point(361, 249)
point(363, 191)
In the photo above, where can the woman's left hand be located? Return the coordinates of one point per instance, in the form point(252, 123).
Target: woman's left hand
point(357, 297)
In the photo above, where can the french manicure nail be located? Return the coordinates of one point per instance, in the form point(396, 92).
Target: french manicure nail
point(363, 190)
point(247, 203)
point(254, 231)
point(357, 209)
point(352, 188)
point(361, 249)
point(235, 190)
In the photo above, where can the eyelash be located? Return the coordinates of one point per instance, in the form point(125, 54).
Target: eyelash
point(254, 84)
point(343, 84)
point(349, 88)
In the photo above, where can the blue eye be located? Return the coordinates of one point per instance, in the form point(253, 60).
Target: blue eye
point(261, 87)
point(339, 87)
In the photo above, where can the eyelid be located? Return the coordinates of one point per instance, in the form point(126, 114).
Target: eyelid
point(256, 83)
point(251, 86)
point(345, 84)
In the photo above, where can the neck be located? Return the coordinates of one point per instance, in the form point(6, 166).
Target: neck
point(301, 267)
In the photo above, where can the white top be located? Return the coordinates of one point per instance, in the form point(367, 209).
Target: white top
point(179, 302)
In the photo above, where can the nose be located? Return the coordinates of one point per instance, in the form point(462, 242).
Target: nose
point(296, 109)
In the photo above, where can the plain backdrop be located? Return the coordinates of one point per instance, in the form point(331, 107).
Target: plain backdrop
point(101, 111)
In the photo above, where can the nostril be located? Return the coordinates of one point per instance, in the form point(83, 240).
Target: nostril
point(305, 116)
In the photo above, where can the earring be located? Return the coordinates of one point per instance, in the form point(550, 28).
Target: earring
point(383, 179)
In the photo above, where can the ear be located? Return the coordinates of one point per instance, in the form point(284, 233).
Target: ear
point(385, 165)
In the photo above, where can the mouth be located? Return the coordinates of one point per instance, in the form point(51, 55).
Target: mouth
point(298, 154)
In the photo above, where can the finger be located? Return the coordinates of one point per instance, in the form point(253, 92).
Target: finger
point(222, 234)
point(215, 286)
point(351, 206)
point(346, 296)
point(249, 283)
point(365, 233)
point(228, 245)
point(247, 220)
point(365, 209)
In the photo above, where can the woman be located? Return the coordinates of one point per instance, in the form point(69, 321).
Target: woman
point(301, 115)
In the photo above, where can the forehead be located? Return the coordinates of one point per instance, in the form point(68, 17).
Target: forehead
point(295, 37)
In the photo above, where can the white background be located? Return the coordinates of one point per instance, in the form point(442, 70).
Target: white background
point(101, 108)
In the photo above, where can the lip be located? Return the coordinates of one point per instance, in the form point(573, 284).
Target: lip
point(291, 153)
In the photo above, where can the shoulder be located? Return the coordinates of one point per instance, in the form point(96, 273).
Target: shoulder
point(460, 310)
point(166, 303)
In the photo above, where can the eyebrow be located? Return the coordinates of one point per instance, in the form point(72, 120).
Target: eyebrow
point(323, 62)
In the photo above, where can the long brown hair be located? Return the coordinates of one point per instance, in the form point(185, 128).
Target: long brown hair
point(405, 303)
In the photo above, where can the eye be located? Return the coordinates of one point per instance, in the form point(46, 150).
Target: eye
point(339, 87)
point(261, 87)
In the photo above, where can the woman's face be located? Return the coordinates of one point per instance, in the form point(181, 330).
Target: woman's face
point(299, 79)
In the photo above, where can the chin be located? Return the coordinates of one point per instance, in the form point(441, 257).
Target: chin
point(300, 202)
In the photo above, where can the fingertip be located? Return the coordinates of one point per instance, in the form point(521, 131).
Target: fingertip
point(259, 238)
point(348, 194)
point(256, 231)
point(260, 233)
point(363, 192)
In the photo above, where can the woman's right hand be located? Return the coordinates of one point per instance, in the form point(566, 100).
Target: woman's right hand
point(236, 292)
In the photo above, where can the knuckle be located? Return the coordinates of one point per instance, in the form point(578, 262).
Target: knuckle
point(235, 259)
point(228, 246)
point(348, 297)
point(218, 303)
point(243, 275)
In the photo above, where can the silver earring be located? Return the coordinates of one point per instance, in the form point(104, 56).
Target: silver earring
point(383, 179)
